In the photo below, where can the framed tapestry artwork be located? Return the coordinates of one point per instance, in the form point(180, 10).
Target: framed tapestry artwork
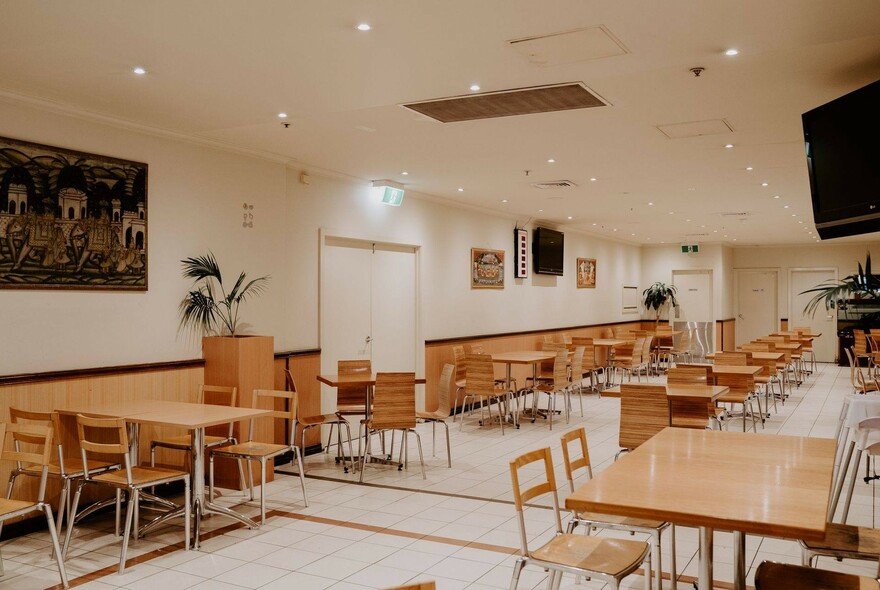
point(586, 273)
point(487, 269)
point(71, 220)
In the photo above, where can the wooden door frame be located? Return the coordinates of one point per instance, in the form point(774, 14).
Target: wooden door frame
point(736, 275)
point(712, 311)
point(365, 238)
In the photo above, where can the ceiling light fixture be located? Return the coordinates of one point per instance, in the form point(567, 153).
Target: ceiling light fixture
point(749, 168)
point(594, 179)
point(364, 27)
point(785, 206)
point(570, 217)
point(615, 229)
point(404, 173)
point(503, 200)
point(540, 210)
point(461, 190)
point(475, 87)
point(731, 52)
point(551, 161)
point(139, 70)
point(594, 225)
point(729, 146)
point(765, 184)
point(282, 115)
point(650, 204)
point(775, 196)
point(687, 219)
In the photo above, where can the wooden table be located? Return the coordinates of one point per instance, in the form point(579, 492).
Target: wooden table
point(769, 485)
point(193, 417)
point(689, 400)
point(736, 369)
point(365, 380)
point(523, 357)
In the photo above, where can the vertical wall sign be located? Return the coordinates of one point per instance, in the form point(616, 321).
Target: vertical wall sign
point(521, 248)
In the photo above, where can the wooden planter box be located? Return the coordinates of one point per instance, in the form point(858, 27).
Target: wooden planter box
point(245, 362)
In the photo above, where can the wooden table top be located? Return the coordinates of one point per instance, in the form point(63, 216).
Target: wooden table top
point(795, 335)
point(524, 357)
point(762, 356)
point(364, 379)
point(608, 341)
point(770, 485)
point(167, 413)
point(736, 369)
point(680, 391)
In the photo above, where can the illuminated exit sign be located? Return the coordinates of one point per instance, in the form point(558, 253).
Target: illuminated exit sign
point(392, 196)
point(690, 248)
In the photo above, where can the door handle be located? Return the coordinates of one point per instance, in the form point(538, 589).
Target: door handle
point(740, 316)
point(368, 339)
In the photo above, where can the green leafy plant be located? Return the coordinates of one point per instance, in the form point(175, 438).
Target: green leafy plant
point(657, 296)
point(208, 309)
point(861, 285)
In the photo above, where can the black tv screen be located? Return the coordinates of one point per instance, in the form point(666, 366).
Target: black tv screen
point(843, 160)
point(547, 250)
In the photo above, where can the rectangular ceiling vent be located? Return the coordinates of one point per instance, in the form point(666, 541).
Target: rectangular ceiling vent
point(554, 184)
point(696, 128)
point(688, 236)
point(509, 103)
point(737, 214)
point(569, 46)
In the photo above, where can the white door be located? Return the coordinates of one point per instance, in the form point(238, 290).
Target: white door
point(369, 307)
point(694, 296)
point(824, 321)
point(756, 303)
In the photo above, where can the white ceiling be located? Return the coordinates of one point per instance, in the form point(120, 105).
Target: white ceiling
point(222, 70)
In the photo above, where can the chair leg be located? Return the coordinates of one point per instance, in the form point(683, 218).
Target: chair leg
point(350, 447)
point(448, 446)
point(187, 512)
point(262, 491)
point(673, 575)
point(72, 519)
point(241, 478)
point(129, 516)
point(250, 471)
point(367, 446)
point(517, 570)
point(656, 557)
point(421, 457)
point(53, 534)
point(302, 479)
point(118, 518)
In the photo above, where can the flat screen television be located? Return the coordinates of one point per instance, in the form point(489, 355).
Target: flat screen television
point(547, 251)
point(843, 160)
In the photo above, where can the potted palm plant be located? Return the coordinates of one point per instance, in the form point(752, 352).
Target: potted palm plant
point(861, 285)
point(231, 359)
point(657, 296)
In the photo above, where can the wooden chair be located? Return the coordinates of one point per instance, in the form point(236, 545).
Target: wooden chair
point(251, 450)
point(480, 387)
point(744, 359)
point(63, 468)
point(860, 346)
point(843, 541)
point(589, 365)
point(779, 576)
point(629, 363)
point(644, 411)
point(648, 356)
point(430, 585)
point(545, 368)
point(609, 560)
point(215, 395)
point(861, 383)
point(458, 355)
point(352, 400)
point(579, 458)
point(478, 348)
point(444, 391)
point(576, 376)
point(741, 390)
point(560, 386)
point(336, 419)
point(694, 375)
point(129, 479)
point(606, 333)
point(394, 408)
point(31, 435)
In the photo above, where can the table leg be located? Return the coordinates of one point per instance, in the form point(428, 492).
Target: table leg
point(739, 560)
point(705, 575)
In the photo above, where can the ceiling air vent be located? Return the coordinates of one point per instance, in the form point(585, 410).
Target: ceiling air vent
point(736, 214)
point(508, 103)
point(554, 184)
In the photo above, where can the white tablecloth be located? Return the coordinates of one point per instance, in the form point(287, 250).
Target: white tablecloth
point(862, 407)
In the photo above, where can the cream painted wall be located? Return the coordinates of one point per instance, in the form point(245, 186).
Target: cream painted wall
point(658, 263)
point(843, 257)
point(194, 202)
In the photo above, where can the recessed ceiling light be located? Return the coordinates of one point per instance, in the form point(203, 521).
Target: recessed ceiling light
point(729, 145)
point(594, 224)
point(714, 231)
point(540, 210)
point(364, 27)
point(749, 168)
point(702, 226)
point(570, 217)
point(794, 214)
point(800, 221)
point(461, 190)
point(650, 204)
point(662, 242)
point(672, 212)
point(687, 219)
point(282, 115)
point(734, 239)
point(594, 179)
point(785, 206)
point(475, 87)
point(139, 70)
point(725, 235)
point(765, 184)
point(731, 52)
point(775, 196)
point(503, 200)
point(551, 161)
point(632, 234)
point(615, 229)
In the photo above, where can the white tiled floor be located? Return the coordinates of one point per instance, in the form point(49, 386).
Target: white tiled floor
point(332, 552)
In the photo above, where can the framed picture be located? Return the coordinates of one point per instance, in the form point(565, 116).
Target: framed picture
point(586, 273)
point(487, 269)
point(71, 220)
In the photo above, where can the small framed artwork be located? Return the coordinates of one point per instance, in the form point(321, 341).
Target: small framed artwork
point(487, 269)
point(586, 273)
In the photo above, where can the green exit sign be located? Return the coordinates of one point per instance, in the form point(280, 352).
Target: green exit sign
point(690, 248)
point(392, 196)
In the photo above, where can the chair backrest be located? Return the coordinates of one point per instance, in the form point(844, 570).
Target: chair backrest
point(646, 347)
point(736, 383)
point(289, 414)
point(778, 576)
point(683, 344)
point(219, 395)
point(19, 416)
point(480, 374)
point(644, 411)
point(458, 358)
point(589, 358)
point(735, 359)
point(687, 375)
point(638, 347)
point(856, 375)
point(861, 342)
point(87, 444)
point(547, 366)
point(577, 364)
point(476, 348)
point(606, 333)
point(577, 459)
point(707, 369)
point(547, 485)
point(39, 435)
point(560, 369)
point(394, 401)
point(445, 389)
point(352, 395)
point(548, 338)
point(758, 346)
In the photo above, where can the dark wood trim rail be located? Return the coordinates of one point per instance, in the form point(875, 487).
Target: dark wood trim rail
point(442, 341)
point(293, 353)
point(727, 320)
